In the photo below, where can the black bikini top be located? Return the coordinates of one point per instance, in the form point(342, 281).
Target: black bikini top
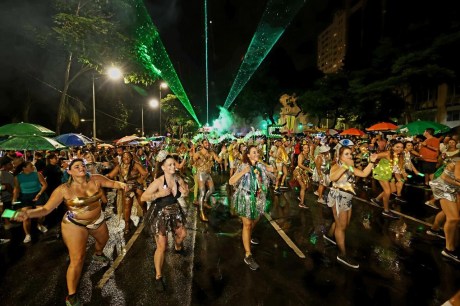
point(169, 199)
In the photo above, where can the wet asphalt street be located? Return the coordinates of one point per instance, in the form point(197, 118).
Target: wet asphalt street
point(399, 263)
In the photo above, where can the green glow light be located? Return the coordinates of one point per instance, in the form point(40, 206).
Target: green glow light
point(206, 58)
point(277, 16)
point(224, 122)
point(153, 56)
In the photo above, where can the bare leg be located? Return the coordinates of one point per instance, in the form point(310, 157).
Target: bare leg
point(101, 234)
point(303, 187)
point(75, 238)
point(438, 220)
point(386, 194)
point(26, 225)
point(320, 191)
point(451, 210)
point(128, 205)
point(246, 235)
point(283, 178)
point(159, 256)
point(341, 224)
point(195, 188)
point(202, 185)
point(181, 233)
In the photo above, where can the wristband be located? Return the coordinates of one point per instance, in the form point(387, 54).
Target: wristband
point(352, 170)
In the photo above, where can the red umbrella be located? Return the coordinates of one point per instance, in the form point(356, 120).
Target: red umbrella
point(353, 131)
point(383, 126)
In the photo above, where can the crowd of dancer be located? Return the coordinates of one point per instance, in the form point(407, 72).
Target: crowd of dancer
point(331, 168)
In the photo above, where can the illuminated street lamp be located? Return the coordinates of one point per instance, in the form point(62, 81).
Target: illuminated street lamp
point(153, 103)
point(162, 85)
point(113, 73)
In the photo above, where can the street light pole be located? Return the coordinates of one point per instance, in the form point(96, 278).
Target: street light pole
point(142, 119)
point(159, 104)
point(94, 111)
point(113, 73)
point(162, 85)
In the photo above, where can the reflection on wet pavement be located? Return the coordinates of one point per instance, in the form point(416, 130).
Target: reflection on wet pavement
point(399, 263)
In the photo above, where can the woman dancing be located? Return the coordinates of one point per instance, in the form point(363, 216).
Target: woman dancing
point(249, 200)
point(301, 173)
point(167, 214)
point(133, 174)
point(339, 199)
point(389, 169)
point(81, 194)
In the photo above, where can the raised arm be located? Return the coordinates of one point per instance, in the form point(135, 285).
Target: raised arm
point(238, 175)
point(56, 198)
point(216, 158)
point(108, 183)
point(114, 172)
point(141, 170)
point(366, 171)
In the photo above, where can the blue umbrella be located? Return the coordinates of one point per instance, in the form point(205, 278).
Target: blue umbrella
point(73, 140)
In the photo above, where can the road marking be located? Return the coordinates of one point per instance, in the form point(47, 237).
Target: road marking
point(285, 237)
point(120, 257)
point(395, 211)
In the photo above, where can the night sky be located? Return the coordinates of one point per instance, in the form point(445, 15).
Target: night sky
point(33, 75)
point(231, 28)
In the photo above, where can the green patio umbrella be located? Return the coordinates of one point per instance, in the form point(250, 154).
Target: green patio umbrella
point(22, 128)
point(419, 126)
point(30, 143)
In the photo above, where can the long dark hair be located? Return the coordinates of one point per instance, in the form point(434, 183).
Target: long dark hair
point(159, 171)
point(246, 153)
point(131, 163)
point(400, 157)
point(21, 167)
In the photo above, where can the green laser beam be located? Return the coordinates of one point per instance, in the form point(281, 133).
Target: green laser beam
point(206, 58)
point(276, 18)
point(153, 56)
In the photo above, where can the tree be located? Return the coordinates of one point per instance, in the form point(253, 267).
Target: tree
point(91, 34)
point(258, 99)
point(330, 97)
point(176, 118)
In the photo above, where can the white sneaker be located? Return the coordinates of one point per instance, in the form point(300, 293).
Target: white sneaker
point(315, 193)
point(320, 200)
point(42, 228)
point(27, 239)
